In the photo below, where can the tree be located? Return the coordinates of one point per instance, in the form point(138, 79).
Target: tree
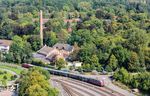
point(36, 90)
point(5, 77)
point(35, 42)
point(86, 52)
point(122, 75)
point(34, 83)
point(94, 61)
point(81, 36)
point(99, 14)
point(138, 39)
point(55, 25)
point(134, 64)
point(43, 72)
point(63, 36)
point(93, 24)
point(20, 51)
point(122, 55)
point(84, 6)
point(113, 64)
point(74, 55)
point(51, 38)
point(6, 31)
point(87, 67)
point(60, 63)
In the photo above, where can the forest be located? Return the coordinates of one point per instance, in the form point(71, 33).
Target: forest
point(111, 35)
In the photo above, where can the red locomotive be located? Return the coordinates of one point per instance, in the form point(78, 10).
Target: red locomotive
point(25, 65)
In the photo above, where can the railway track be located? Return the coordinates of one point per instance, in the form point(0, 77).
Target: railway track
point(71, 91)
point(97, 89)
point(118, 94)
point(93, 88)
point(68, 91)
point(71, 86)
point(104, 89)
point(89, 87)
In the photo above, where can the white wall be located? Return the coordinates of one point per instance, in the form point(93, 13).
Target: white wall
point(4, 48)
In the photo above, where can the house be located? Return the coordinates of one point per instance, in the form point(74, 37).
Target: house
point(50, 54)
point(65, 47)
point(5, 45)
point(74, 64)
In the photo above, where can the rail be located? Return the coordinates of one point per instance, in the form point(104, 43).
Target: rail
point(97, 89)
point(69, 90)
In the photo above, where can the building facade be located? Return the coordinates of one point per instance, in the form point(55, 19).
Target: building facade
point(5, 45)
point(50, 54)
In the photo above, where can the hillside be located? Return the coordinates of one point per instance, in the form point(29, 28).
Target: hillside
point(108, 35)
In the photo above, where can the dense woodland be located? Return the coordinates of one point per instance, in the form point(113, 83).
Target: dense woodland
point(109, 35)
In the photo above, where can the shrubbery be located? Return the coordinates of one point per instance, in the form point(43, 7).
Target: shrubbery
point(35, 82)
point(13, 77)
point(38, 63)
point(140, 80)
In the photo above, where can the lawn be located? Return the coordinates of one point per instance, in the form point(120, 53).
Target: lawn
point(6, 74)
point(14, 68)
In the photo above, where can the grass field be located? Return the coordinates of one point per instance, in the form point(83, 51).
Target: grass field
point(5, 73)
point(14, 68)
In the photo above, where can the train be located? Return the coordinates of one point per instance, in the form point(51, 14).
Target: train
point(26, 65)
point(93, 81)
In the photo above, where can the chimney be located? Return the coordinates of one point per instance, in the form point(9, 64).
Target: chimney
point(41, 27)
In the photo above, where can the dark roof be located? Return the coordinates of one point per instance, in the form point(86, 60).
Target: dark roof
point(5, 42)
point(45, 50)
point(51, 57)
point(65, 47)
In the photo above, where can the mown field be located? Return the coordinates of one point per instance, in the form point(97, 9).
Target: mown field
point(12, 67)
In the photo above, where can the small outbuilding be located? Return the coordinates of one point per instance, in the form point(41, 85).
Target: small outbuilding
point(5, 45)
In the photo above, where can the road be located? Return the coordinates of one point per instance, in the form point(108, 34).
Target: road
point(84, 89)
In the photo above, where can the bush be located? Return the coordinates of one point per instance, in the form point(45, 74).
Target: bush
point(1, 72)
point(5, 77)
point(122, 75)
point(38, 63)
point(140, 81)
point(13, 77)
point(5, 72)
